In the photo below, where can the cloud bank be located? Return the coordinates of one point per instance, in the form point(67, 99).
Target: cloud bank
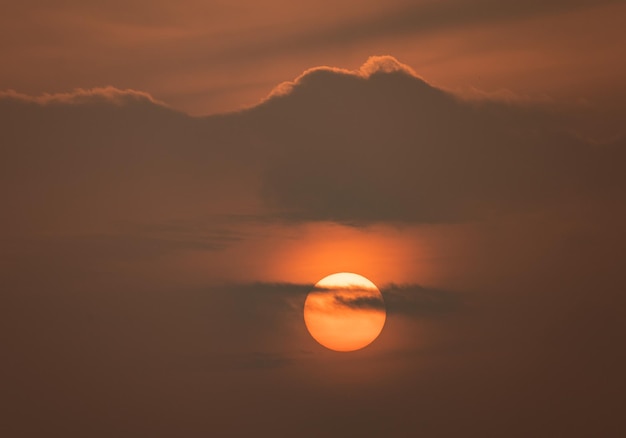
point(381, 144)
point(378, 144)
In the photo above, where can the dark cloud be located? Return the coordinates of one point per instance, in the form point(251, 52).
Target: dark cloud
point(349, 288)
point(375, 145)
point(386, 146)
point(360, 302)
point(106, 156)
point(418, 301)
point(410, 300)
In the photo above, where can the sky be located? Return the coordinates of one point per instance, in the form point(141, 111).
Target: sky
point(176, 177)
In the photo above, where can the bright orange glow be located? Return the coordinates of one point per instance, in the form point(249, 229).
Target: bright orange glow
point(387, 254)
point(344, 312)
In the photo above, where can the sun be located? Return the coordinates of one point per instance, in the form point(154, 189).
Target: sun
point(344, 312)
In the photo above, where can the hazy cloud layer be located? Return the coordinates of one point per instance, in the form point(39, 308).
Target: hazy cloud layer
point(88, 357)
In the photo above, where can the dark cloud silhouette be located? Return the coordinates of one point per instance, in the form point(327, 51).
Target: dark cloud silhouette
point(373, 303)
point(104, 156)
point(410, 300)
point(403, 150)
point(379, 144)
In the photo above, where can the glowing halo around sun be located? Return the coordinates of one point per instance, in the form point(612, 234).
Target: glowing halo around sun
point(344, 312)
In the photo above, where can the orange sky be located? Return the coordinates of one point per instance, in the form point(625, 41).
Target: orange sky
point(206, 57)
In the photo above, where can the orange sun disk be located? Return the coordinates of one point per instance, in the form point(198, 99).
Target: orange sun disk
point(344, 312)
